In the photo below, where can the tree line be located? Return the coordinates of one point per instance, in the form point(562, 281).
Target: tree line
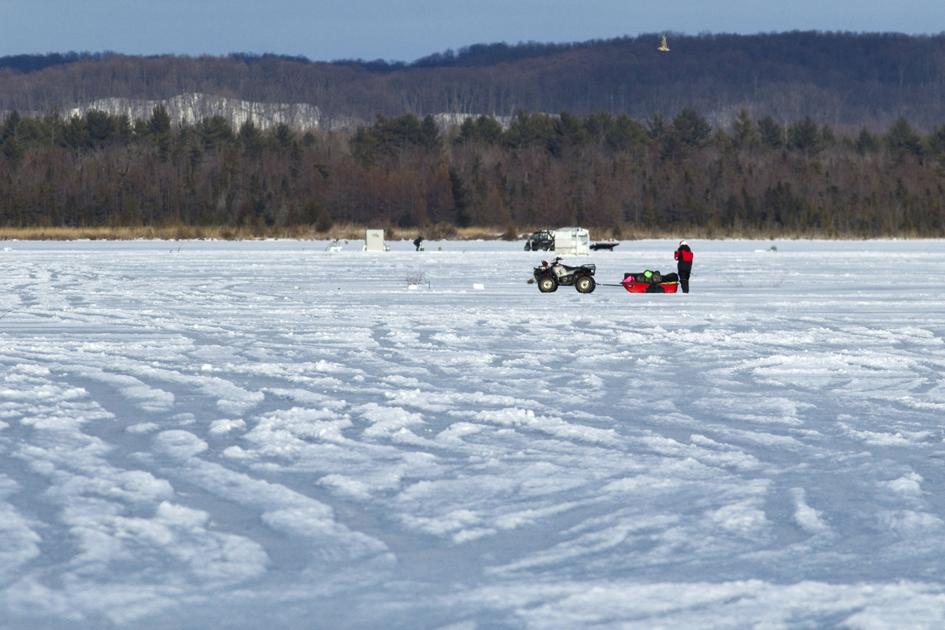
point(680, 173)
point(847, 80)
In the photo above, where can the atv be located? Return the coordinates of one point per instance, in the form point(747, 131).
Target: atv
point(550, 276)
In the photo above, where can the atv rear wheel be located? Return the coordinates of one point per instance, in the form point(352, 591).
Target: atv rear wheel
point(548, 284)
point(585, 284)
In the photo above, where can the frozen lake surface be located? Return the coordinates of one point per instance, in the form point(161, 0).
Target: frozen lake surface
point(215, 434)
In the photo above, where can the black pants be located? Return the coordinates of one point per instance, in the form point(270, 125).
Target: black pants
point(684, 281)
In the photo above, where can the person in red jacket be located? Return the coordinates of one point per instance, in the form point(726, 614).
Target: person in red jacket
point(684, 256)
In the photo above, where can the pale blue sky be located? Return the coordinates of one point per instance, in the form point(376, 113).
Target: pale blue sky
point(407, 29)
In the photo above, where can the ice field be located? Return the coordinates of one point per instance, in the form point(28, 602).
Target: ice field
point(268, 434)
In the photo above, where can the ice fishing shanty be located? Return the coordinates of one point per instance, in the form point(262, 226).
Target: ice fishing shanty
point(374, 241)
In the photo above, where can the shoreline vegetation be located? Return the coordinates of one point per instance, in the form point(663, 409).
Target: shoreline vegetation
point(356, 233)
point(104, 176)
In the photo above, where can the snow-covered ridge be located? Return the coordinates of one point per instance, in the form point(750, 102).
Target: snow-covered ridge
point(446, 120)
point(187, 109)
point(195, 106)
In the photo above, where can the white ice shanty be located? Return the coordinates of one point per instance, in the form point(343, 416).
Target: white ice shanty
point(572, 241)
point(374, 241)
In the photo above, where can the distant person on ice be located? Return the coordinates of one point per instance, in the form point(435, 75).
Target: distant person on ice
point(417, 241)
point(684, 256)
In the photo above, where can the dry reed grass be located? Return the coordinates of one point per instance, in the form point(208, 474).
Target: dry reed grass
point(190, 232)
point(350, 231)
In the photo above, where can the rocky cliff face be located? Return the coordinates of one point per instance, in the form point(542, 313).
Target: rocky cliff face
point(448, 120)
point(192, 108)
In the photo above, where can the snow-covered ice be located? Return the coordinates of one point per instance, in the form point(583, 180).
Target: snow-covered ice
point(218, 434)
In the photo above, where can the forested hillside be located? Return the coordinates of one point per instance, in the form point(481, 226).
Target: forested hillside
point(754, 176)
point(843, 79)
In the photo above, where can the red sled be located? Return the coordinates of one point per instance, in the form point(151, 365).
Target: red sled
point(633, 286)
point(650, 282)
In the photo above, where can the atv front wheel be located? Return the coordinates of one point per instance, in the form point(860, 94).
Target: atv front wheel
point(547, 284)
point(585, 284)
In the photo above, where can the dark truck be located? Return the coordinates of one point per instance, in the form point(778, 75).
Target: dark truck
point(540, 240)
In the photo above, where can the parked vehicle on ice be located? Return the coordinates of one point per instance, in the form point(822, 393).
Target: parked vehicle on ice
point(540, 240)
point(550, 276)
point(573, 241)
